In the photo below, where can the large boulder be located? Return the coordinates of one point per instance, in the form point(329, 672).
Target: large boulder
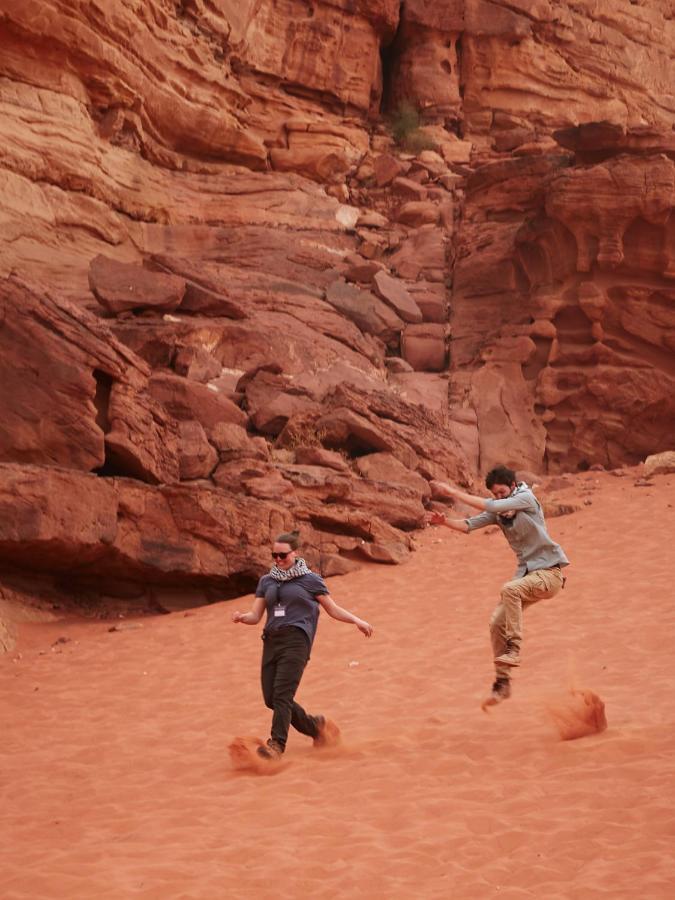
point(660, 464)
point(368, 312)
point(424, 347)
point(122, 287)
point(394, 293)
point(386, 168)
point(142, 440)
point(197, 364)
point(203, 293)
point(319, 456)
point(187, 400)
point(198, 458)
point(431, 299)
point(272, 399)
point(417, 213)
point(233, 442)
point(385, 468)
point(421, 255)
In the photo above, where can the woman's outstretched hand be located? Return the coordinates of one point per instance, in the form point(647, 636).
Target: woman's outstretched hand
point(237, 616)
point(364, 627)
point(435, 518)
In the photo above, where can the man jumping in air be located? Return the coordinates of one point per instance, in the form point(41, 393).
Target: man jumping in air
point(540, 561)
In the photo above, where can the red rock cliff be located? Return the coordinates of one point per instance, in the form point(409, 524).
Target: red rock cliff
point(231, 302)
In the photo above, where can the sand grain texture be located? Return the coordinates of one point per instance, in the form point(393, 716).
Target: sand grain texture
point(117, 781)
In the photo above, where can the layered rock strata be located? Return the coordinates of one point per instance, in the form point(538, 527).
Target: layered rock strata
point(128, 476)
point(225, 285)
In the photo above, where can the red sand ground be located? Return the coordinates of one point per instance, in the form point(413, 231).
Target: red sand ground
point(116, 779)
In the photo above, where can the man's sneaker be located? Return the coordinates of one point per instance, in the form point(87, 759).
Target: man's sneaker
point(270, 750)
point(501, 690)
point(511, 657)
point(328, 734)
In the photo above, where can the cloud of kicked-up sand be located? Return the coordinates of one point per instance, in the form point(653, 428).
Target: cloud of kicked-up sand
point(579, 713)
point(245, 758)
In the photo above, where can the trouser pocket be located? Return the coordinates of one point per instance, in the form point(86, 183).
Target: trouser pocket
point(546, 583)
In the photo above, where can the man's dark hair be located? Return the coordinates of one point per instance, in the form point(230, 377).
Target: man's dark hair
point(500, 475)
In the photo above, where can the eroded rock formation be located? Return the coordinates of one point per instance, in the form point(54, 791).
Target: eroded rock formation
point(230, 302)
point(578, 295)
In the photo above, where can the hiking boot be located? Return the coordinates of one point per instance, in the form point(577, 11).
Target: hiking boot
point(510, 657)
point(270, 750)
point(501, 690)
point(328, 734)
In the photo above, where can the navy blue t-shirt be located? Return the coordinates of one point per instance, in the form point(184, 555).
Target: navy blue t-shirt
point(292, 603)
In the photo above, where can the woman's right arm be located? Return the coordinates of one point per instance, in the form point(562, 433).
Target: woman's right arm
point(252, 617)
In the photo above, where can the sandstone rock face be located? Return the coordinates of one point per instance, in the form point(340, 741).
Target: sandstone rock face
point(160, 427)
point(563, 273)
point(57, 365)
point(537, 64)
point(598, 204)
point(219, 268)
point(597, 377)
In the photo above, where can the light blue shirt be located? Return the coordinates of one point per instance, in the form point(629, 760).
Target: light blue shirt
point(526, 531)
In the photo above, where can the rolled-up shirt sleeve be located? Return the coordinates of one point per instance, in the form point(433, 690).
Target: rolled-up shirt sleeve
point(519, 501)
point(481, 520)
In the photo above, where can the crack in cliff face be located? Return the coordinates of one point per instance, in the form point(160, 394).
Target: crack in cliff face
point(459, 52)
point(389, 54)
point(422, 67)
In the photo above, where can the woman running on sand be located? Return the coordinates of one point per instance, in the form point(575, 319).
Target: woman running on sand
point(291, 593)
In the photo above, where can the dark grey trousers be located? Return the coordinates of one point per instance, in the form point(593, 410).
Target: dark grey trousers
point(285, 655)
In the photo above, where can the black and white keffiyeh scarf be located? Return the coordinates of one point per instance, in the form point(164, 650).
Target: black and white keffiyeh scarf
point(508, 517)
point(298, 568)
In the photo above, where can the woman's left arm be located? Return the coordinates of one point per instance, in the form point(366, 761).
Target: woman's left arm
point(343, 615)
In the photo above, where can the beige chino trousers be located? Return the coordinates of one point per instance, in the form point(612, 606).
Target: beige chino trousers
point(506, 624)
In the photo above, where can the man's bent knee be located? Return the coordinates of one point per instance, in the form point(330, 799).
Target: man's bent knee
point(511, 591)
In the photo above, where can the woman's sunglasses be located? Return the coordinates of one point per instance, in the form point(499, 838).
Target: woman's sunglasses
point(281, 555)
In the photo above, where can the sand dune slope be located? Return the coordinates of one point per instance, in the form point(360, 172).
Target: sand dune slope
point(117, 782)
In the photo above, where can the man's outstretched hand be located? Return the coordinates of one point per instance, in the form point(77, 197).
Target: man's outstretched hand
point(442, 489)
